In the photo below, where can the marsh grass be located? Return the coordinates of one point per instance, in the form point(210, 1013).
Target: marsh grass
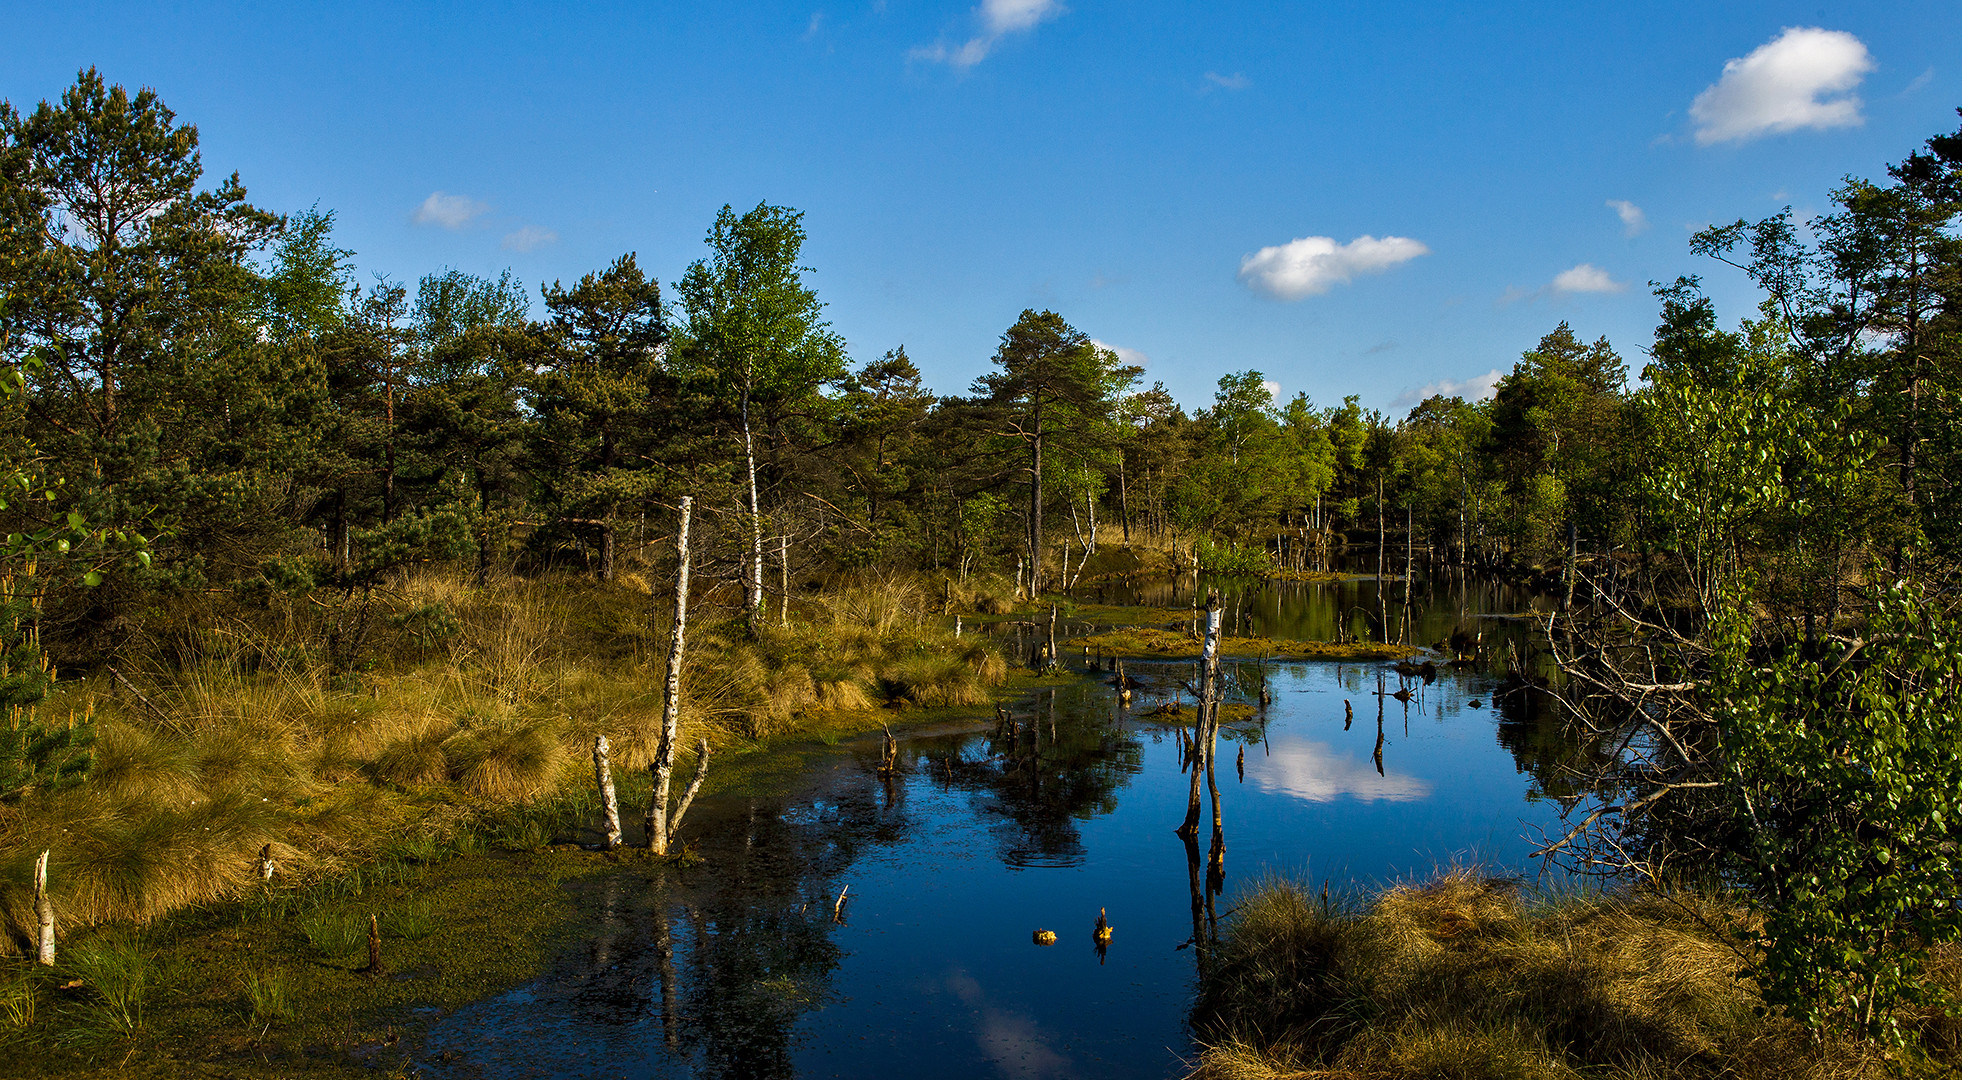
point(115, 976)
point(471, 738)
point(411, 919)
point(19, 1001)
point(1474, 978)
point(336, 932)
point(264, 996)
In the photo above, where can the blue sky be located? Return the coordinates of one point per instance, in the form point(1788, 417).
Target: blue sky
point(1351, 198)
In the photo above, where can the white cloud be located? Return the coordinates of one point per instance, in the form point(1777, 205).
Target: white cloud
point(1633, 221)
point(449, 211)
point(1273, 388)
point(1235, 81)
point(529, 238)
point(999, 18)
point(1585, 278)
point(1313, 265)
point(1476, 388)
point(1124, 355)
point(1784, 85)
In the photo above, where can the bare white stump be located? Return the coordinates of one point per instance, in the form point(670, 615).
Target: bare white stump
point(44, 912)
point(609, 801)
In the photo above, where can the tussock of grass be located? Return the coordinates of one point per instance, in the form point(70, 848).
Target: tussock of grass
point(417, 758)
point(507, 762)
point(1467, 978)
point(265, 996)
point(116, 976)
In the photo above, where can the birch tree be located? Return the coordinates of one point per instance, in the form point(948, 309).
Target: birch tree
point(752, 331)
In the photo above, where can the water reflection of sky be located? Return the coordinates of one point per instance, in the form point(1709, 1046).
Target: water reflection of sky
point(1316, 772)
point(953, 865)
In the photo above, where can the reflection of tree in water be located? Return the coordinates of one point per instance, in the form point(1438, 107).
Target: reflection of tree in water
point(1061, 760)
point(714, 964)
point(1555, 754)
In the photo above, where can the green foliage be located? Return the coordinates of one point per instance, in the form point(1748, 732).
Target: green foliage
point(39, 757)
point(1849, 774)
point(1232, 559)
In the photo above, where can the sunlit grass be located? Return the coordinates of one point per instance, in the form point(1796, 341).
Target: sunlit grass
point(1471, 977)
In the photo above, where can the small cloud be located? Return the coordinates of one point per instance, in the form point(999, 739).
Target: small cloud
point(1124, 355)
point(999, 18)
point(1312, 265)
point(1785, 84)
point(1379, 348)
point(1585, 278)
point(1273, 388)
point(529, 238)
point(1918, 83)
point(1235, 81)
point(1633, 221)
point(1476, 388)
point(816, 24)
point(448, 211)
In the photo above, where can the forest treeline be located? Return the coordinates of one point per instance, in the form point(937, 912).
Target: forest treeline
point(212, 379)
point(207, 410)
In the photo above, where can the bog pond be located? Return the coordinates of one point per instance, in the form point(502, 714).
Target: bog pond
point(746, 965)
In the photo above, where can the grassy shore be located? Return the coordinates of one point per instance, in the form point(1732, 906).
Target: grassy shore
point(466, 732)
point(1469, 978)
point(1159, 643)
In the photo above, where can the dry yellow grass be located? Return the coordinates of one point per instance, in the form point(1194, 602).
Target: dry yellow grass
point(1469, 978)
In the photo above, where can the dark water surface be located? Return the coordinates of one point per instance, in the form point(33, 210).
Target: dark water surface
point(737, 968)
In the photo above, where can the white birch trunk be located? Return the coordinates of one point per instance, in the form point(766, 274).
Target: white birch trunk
point(753, 585)
point(688, 796)
point(663, 764)
point(609, 800)
point(43, 912)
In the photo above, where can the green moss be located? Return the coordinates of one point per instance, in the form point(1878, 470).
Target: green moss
point(452, 933)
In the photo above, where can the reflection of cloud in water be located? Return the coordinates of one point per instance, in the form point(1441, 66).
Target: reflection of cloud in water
point(1314, 772)
point(1011, 1040)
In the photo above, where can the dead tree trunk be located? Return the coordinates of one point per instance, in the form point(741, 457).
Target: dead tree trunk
point(1208, 671)
point(609, 801)
point(44, 912)
point(694, 785)
point(659, 827)
point(783, 568)
point(1053, 658)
